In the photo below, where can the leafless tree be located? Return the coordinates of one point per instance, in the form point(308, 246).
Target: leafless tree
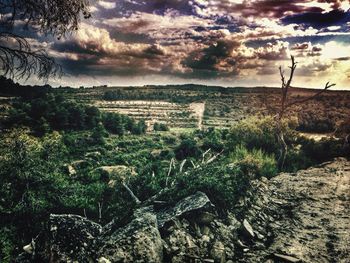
point(285, 105)
point(18, 59)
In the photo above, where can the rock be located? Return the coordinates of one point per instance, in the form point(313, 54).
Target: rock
point(67, 238)
point(218, 252)
point(247, 229)
point(181, 246)
point(138, 241)
point(117, 171)
point(70, 169)
point(103, 260)
point(72, 237)
point(206, 218)
point(193, 205)
point(29, 248)
point(285, 258)
point(205, 230)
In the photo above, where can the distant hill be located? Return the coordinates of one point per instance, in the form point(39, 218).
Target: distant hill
point(193, 106)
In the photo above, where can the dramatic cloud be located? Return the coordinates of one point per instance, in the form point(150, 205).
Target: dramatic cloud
point(224, 42)
point(335, 18)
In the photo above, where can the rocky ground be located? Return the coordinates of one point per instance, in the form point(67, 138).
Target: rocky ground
point(309, 215)
point(302, 217)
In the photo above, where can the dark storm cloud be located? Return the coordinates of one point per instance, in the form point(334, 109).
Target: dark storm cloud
point(265, 8)
point(204, 63)
point(319, 20)
point(130, 37)
point(75, 47)
point(293, 40)
point(126, 7)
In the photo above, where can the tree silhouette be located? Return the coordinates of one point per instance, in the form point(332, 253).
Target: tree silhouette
point(55, 17)
point(286, 104)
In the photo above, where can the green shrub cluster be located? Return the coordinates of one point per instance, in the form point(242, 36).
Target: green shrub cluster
point(227, 180)
point(160, 127)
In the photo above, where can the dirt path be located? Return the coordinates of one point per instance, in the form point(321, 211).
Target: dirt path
point(309, 215)
point(198, 109)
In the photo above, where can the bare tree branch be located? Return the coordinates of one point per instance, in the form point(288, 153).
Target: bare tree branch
point(327, 86)
point(19, 61)
point(285, 105)
point(182, 165)
point(55, 17)
point(133, 196)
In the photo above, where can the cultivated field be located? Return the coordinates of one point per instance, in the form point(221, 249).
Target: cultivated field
point(192, 106)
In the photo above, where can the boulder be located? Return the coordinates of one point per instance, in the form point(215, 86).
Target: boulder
point(138, 241)
point(71, 238)
point(103, 260)
point(196, 205)
point(218, 252)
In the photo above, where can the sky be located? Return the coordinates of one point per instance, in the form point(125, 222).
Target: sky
point(214, 42)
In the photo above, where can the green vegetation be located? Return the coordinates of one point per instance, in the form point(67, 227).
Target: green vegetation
point(160, 127)
point(72, 158)
point(48, 111)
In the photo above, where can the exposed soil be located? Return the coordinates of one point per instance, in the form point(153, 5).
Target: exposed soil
point(198, 110)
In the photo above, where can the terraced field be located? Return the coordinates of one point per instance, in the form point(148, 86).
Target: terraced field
point(196, 106)
point(173, 114)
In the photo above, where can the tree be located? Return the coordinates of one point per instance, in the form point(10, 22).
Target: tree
point(187, 148)
point(98, 134)
point(55, 17)
point(113, 122)
point(93, 116)
point(285, 105)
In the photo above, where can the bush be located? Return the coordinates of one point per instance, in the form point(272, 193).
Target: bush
point(254, 163)
point(223, 184)
point(260, 133)
point(187, 148)
point(213, 140)
point(160, 127)
point(324, 149)
point(226, 180)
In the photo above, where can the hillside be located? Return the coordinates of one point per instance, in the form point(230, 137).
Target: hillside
point(198, 106)
point(301, 217)
point(75, 162)
point(222, 106)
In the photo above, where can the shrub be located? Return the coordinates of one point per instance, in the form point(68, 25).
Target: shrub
point(160, 127)
point(226, 180)
point(213, 140)
point(254, 163)
point(324, 149)
point(259, 133)
point(187, 148)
